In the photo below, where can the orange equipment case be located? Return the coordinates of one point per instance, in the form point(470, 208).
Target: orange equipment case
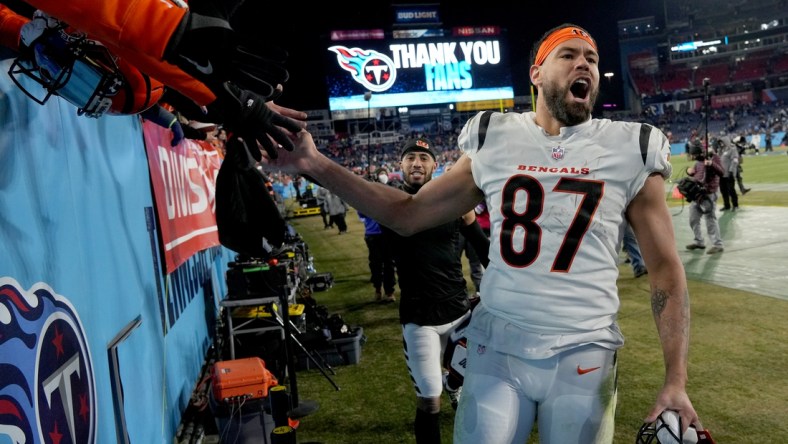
point(241, 379)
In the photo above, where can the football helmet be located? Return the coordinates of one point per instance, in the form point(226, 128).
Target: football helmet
point(667, 430)
point(455, 356)
point(64, 62)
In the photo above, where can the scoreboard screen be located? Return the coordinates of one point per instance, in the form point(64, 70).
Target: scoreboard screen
point(432, 70)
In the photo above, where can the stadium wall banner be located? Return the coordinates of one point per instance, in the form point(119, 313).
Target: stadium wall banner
point(683, 106)
point(184, 186)
point(85, 308)
point(734, 99)
point(356, 34)
point(775, 94)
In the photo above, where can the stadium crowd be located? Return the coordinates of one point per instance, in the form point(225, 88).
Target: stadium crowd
point(746, 120)
point(752, 122)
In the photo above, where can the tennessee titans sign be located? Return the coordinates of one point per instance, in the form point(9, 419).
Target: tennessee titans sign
point(372, 69)
point(47, 389)
point(414, 67)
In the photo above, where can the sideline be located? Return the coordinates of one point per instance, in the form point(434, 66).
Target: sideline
point(756, 250)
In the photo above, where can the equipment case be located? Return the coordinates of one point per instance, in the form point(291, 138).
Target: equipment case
point(320, 281)
point(241, 379)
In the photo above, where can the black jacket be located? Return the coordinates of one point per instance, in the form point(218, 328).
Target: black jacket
point(433, 290)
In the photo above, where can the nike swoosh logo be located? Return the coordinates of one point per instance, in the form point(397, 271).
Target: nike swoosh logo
point(205, 69)
point(583, 371)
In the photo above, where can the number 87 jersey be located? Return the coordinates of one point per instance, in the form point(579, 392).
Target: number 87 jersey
point(557, 206)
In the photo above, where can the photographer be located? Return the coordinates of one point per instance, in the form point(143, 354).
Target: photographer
point(741, 147)
point(729, 156)
point(707, 171)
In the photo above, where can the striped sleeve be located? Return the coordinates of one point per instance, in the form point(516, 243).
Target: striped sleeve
point(655, 151)
point(474, 133)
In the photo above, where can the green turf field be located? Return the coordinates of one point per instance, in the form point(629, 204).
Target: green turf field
point(739, 345)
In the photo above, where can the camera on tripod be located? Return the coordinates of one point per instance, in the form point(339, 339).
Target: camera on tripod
point(255, 278)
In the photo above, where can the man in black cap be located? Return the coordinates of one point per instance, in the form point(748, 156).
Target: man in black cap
point(433, 292)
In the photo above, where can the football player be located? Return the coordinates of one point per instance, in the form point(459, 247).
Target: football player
point(433, 292)
point(560, 186)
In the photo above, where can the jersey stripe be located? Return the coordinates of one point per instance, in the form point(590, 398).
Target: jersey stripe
point(484, 122)
point(645, 132)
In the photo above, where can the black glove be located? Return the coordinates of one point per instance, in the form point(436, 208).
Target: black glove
point(246, 115)
point(207, 47)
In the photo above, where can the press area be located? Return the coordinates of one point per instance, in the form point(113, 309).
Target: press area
point(269, 328)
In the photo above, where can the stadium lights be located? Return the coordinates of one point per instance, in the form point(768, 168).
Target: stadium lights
point(609, 76)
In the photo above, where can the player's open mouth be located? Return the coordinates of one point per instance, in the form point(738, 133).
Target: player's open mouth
point(580, 88)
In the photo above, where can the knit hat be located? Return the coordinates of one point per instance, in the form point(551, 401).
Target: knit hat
point(421, 144)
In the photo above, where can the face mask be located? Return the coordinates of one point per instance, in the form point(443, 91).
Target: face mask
point(383, 178)
point(87, 82)
point(81, 87)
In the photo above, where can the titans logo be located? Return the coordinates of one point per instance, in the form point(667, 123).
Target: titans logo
point(47, 390)
point(372, 69)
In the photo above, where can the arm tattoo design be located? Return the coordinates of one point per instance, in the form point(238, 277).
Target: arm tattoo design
point(659, 299)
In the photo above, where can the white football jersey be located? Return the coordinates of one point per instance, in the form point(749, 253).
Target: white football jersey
point(557, 207)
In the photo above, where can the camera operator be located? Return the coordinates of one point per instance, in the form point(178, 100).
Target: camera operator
point(741, 146)
point(729, 155)
point(707, 170)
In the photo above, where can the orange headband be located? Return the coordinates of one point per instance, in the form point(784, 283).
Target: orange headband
point(558, 37)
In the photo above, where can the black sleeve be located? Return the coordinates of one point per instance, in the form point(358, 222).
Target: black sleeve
point(481, 244)
point(159, 115)
point(184, 105)
point(194, 134)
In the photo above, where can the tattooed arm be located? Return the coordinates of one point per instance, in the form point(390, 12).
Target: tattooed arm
point(650, 219)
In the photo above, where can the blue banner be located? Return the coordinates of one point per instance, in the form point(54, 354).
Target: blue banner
point(82, 263)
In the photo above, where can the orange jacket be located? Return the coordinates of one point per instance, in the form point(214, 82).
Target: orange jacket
point(10, 25)
point(136, 30)
point(145, 91)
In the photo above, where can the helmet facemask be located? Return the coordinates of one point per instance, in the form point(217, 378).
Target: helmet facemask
point(74, 67)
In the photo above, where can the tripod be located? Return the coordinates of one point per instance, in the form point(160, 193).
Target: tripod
point(322, 365)
point(707, 110)
point(298, 408)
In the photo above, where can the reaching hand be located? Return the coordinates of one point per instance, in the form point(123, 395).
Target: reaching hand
point(246, 114)
point(298, 116)
point(298, 160)
point(177, 132)
point(40, 26)
point(165, 119)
